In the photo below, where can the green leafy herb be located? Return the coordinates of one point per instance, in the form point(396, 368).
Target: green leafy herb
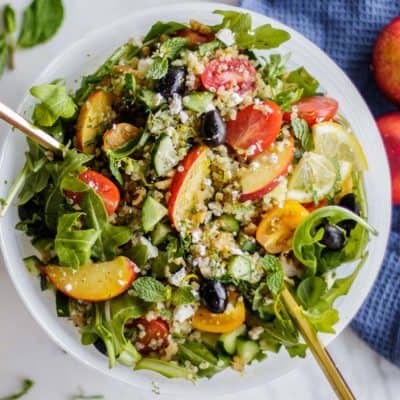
point(9, 19)
point(150, 99)
point(41, 21)
point(310, 291)
point(306, 241)
point(182, 295)
point(162, 28)
point(207, 48)
point(110, 237)
point(158, 68)
point(263, 37)
point(171, 48)
point(26, 386)
point(302, 132)
point(72, 244)
point(149, 289)
point(275, 68)
point(275, 275)
point(3, 53)
point(87, 397)
point(303, 80)
point(123, 54)
point(55, 104)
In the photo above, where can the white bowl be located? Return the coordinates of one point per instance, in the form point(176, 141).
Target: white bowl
point(72, 64)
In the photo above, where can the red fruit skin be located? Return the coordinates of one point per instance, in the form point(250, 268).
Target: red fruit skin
point(195, 38)
point(154, 329)
point(386, 60)
point(389, 126)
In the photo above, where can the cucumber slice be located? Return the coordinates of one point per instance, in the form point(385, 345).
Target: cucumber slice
point(211, 340)
point(239, 267)
point(160, 233)
point(152, 213)
point(228, 340)
point(197, 353)
point(247, 350)
point(164, 155)
point(62, 305)
point(228, 223)
point(139, 254)
point(198, 101)
point(165, 368)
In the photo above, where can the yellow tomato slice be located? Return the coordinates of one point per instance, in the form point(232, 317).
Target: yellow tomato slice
point(277, 227)
point(232, 318)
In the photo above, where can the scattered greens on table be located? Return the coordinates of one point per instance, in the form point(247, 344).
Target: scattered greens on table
point(41, 21)
point(198, 179)
point(26, 386)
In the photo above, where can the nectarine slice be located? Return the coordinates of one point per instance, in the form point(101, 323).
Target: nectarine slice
point(93, 282)
point(118, 135)
point(95, 114)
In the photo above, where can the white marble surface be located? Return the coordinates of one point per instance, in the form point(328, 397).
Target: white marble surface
point(26, 351)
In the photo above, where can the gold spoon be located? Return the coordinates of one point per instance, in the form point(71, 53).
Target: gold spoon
point(324, 360)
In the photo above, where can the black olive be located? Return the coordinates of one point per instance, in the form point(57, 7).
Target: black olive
point(100, 346)
point(23, 212)
point(173, 82)
point(212, 128)
point(334, 238)
point(349, 202)
point(214, 296)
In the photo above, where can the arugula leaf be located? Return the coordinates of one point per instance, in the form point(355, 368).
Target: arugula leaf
point(110, 237)
point(303, 80)
point(302, 132)
point(171, 48)
point(3, 53)
point(41, 21)
point(310, 291)
point(275, 275)
point(162, 28)
point(27, 385)
point(182, 295)
point(56, 103)
point(158, 69)
point(263, 37)
point(275, 68)
point(123, 54)
point(73, 246)
point(297, 350)
point(306, 240)
point(149, 289)
point(9, 19)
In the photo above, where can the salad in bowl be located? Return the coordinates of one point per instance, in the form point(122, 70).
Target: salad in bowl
point(200, 177)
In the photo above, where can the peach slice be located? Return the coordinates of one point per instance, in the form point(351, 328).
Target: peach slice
point(187, 184)
point(265, 170)
point(93, 282)
point(95, 114)
point(118, 135)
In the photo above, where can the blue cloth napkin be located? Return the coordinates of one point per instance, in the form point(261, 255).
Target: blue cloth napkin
point(346, 30)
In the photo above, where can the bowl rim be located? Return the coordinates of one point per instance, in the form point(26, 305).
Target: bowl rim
point(204, 7)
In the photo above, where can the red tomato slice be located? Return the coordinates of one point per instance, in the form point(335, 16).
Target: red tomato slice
point(155, 334)
point(314, 109)
point(102, 186)
point(237, 73)
point(255, 128)
point(195, 38)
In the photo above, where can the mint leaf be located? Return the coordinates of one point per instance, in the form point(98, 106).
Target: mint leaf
point(302, 132)
point(207, 48)
point(182, 295)
point(55, 104)
point(303, 80)
point(26, 386)
point(162, 28)
point(73, 245)
point(158, 69)
point(171, 48)
point(275, 275)
point(149, 289)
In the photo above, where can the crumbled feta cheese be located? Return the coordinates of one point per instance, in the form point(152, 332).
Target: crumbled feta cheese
point(209, 107)
point(184, 117)
point(153, 250)
point(196, 235)
point(177, 278)
point(256, 332)
point(236, 252)
point(183, 312)
point(144, 65)
point(158, 99)
point(175, 106)
point(202, 250)
point(226, 36)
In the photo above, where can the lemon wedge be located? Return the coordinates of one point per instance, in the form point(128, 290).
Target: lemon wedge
point(315, 176)
point(335, 141)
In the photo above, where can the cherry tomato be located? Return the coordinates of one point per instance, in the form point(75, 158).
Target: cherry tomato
point(277, 227)
point(237, 74)
point(195, 38)
point(153, 335)
point(255, 128)
point(314, 109)
point(102, 186)
point(230, 319)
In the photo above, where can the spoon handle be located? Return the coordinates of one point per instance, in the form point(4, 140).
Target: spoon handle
point(36, 134)
point(323, 358)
